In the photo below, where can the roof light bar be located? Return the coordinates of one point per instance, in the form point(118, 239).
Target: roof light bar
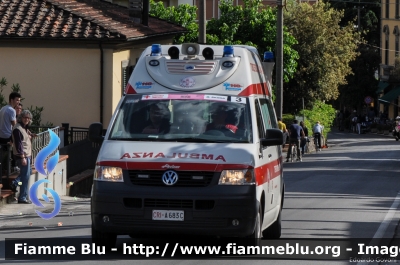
point(268, 57)
point(228, 51)
point(156, 50)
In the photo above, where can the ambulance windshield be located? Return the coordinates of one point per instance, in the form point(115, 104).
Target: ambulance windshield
point(183, 118)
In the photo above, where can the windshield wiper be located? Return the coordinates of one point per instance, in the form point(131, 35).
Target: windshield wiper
point(192, 139)
point(206, 140)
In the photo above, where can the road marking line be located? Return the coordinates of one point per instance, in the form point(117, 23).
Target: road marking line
point(388, 218)
point(385, 223)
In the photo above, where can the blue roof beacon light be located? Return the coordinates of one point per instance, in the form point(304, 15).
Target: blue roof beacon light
point(268, 57)
point(156, 50)
point(228, 51)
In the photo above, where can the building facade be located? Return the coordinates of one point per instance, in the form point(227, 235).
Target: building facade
point(389, 87)
point(72, 57)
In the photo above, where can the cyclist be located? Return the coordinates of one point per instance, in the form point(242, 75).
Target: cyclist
point(295, 135)
point(317, 130)
point(304, 140)
point(282, 127)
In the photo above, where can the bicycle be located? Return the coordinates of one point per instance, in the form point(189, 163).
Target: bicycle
point(292, 148)
point(316, 144)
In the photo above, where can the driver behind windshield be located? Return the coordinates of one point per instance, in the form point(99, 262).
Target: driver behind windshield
point(224, 119)
point(159, 119)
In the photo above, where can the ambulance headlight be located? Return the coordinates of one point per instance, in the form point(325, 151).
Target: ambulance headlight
point(113, 174)
point(237, 177)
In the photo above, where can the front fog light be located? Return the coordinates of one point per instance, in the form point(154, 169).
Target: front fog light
point(113, 174)
point(237, 177)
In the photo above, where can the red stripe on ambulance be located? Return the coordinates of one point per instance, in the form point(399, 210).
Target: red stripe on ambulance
point(254, 89)
point(129, 89)
point(263, 173)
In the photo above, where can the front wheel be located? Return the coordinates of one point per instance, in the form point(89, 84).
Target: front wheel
point(274, 231)
point(292, 155)
point(316, 145)
point(103, 239)
point(257, 229)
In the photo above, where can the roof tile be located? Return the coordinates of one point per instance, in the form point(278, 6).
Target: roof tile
point(75, 19)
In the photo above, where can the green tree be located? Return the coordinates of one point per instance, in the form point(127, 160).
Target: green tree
point(326, 49)
point(3, 84)
point(363, 82)
point(183, 15)
point(252, 24)
point(324, 113)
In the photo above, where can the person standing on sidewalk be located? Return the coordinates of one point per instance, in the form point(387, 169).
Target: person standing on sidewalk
point(340, 120)
point(7, 121)
point(317, 130)
point(23, 152)
point(282, 127)
point(18, 110)
point(295, 134)
point(8, 117)
point(304, 140)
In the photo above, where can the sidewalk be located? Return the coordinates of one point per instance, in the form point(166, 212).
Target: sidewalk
point(13, 213)
point(330, 144)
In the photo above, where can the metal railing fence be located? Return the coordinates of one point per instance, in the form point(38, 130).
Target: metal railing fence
point(41, 140)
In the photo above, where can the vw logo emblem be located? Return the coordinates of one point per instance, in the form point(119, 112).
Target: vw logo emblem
point(170, 177)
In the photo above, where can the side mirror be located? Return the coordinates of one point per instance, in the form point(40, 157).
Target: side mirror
point(96, 132)
point(274, 137)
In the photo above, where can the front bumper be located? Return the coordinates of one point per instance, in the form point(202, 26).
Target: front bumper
point(207, 210)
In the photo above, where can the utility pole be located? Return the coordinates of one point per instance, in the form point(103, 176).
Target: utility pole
point(202, 21)
point(358, 61)
point(279, 59)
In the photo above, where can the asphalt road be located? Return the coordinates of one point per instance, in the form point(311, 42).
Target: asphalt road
point(350, 190)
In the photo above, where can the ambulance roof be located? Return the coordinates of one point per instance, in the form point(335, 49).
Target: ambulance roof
point(190, 67)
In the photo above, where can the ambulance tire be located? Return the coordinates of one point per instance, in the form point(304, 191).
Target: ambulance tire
point(257, 229)
point(103, 239)
point(275, 229)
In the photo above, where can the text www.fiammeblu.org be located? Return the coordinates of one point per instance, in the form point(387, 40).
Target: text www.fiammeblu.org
point(229, 249)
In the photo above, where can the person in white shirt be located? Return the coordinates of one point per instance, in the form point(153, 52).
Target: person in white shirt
point(317, 130)
point(8, 119)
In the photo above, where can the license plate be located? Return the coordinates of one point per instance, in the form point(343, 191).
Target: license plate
point(168, 215)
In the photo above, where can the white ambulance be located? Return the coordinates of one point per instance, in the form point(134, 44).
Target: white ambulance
point(193, 148)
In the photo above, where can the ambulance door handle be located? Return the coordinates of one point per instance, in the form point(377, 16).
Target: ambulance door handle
point(269, 155)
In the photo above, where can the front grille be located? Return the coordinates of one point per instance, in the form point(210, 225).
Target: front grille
point(204, 204)
point(166, 203)
point(133, 202)
point(199, 67)
point(185, 178)
point(161, 203)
